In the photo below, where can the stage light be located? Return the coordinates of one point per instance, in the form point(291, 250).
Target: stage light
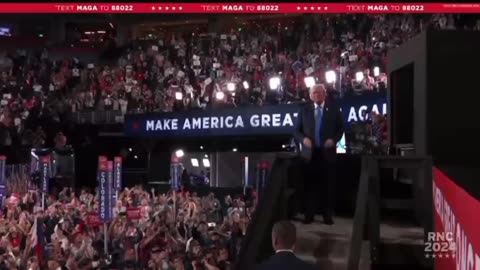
point(246, 85)
point(219, 95)
point(274, 83)
point(178, 95)
point(130, 149)
point(206, 156)
point(376, 71)
point(309, 81)
point(359, 76)
point(234, 149)
point(284, 146)
point(135, 157)
point(231, 87)
point(179, 153)
point(331, 76)
point(194, 162)
point(201, 147)
point(206, 163)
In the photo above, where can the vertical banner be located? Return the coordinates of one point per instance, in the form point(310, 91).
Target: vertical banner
point(110, 187)
point(100, 159)
point(104, 200)
point(45, 173)
point(118, 173)
point(3, 186)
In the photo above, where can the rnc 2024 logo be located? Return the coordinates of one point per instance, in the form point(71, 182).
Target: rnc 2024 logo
point(440, 245)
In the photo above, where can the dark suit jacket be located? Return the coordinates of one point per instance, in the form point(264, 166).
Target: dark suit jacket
point(285, 261)
point(332, 124)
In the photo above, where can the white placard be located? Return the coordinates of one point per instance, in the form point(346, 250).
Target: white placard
point(353, 58)
point(216, 65)
point(90, 65)
point(223, 36)
point(208, 81)
point(155, 48)
point(196, 63)
point(308, 71)
point(180, 74)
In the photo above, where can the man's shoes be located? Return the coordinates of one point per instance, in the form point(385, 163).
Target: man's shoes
point(328, 220)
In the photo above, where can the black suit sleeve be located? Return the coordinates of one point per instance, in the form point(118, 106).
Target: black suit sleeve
point(340, 126)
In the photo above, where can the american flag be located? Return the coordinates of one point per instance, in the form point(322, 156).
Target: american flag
point(37, 239)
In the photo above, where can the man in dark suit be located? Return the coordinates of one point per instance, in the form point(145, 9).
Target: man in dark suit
point(320, 127)
point(284, 237)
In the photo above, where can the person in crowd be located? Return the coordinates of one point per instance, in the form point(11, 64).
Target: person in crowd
point(320, 129)
point(284, 237)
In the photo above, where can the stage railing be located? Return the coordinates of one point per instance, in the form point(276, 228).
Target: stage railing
point(369, 201)
point(272, 207)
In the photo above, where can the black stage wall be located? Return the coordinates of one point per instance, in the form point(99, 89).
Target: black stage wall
point(437, 73)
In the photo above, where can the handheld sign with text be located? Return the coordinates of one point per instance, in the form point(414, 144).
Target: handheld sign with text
point(105, 199)
point(45, 173)
point(3, 187)
point(117, 176)
point(134, 213)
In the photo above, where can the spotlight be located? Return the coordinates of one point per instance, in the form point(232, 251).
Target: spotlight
point(359, 76)
point(130, 149)
point(206, 163)
point(376, 71)
point(284, 146)
point(206, 156)
point(178, 95)
point(234, 149)
point(135, 157)
point(331, 76)
point(309, 81)
point(219, 95)
point(201, 147)
point(246, 85)
point(274, 83)
point(179, 153)
point(194, 162)
point(231, 87)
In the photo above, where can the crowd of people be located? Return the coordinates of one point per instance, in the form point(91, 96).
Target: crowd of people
point(177, 230)
point(194, 71)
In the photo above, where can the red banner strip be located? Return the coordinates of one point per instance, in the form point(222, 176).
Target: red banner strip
point(269, 8)
point(456, 214)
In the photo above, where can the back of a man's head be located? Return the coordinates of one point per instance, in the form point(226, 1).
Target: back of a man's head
point(284, 235)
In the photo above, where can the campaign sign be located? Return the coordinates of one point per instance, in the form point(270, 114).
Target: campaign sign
point(93, 220)
point(117, 175)
point(45, 173)
point(134, 213)
point(105, 199)
point(3, 187)
point(357, 109)
point(264, 120)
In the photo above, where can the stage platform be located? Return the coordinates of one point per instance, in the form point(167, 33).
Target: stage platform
point(328, 246)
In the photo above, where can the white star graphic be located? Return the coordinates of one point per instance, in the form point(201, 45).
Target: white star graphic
point(447, 256)
point(453, 255)
point(312, 8)
point(159, 8)
point(325, 8)
point(433, 255)
point(427, 255)
point(153, 8)
point(440, 255)
point(319, 8)
point(180, 8)
point(305, 8)
point(298, 8)
point(173, 8)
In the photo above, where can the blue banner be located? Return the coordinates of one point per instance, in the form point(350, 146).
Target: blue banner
point(3, 186)
point(264, 120)
point(105, 199)
point(45, 173)
point(117, 176)
point(356, 109)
